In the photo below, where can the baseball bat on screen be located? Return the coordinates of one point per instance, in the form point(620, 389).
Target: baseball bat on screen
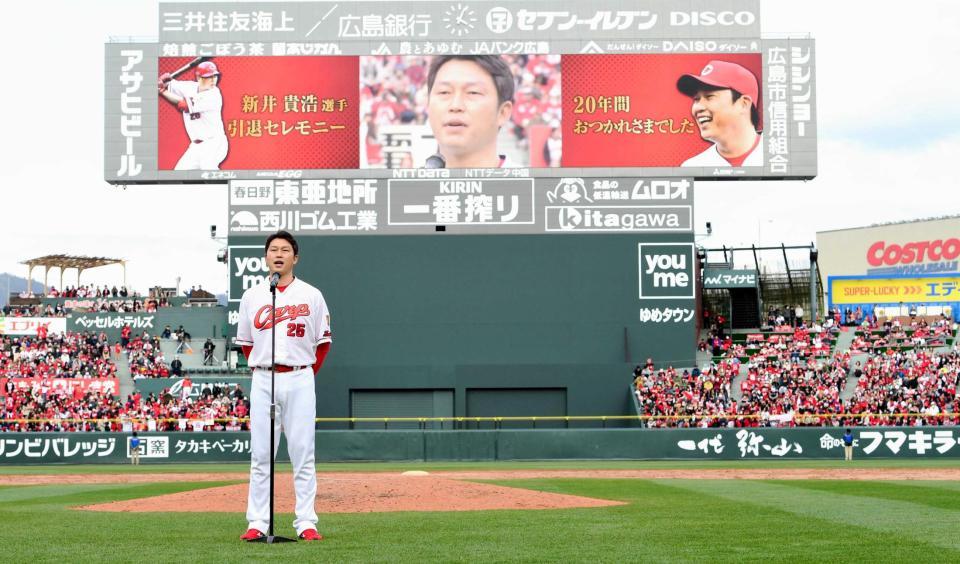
point(189, 66)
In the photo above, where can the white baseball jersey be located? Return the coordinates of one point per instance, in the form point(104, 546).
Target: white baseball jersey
point(203, 119)
point(303, 322)
point(711, 157)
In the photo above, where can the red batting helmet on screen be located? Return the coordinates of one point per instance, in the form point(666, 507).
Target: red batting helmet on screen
point(207, 69)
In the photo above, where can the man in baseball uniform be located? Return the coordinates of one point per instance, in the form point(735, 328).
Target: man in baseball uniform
point(469, 98)
point(724, 106)
point(302, 341)
point(201, 103)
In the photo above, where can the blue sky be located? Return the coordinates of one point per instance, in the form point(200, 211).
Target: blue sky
point(888, 123)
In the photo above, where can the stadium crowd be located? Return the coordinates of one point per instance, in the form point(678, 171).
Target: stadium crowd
point(145, 357)
point(61, 355)
point(788, 378)
point(89, 292)
point(913, 381)
point(38, 409)
point(36, 310)
point(793, 379)
point(31, 368)
point(894, 333)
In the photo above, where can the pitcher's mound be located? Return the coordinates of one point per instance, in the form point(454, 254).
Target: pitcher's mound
point(363, 493)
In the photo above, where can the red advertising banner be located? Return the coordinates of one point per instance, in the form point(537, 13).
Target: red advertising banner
point(72, 386)
point(626, 110)
point(29, 325)
point(259, 113)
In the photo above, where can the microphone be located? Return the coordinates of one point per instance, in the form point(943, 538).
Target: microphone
point(436, 160)
point(274, 280)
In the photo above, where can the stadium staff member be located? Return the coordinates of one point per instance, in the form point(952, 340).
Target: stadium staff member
point(302, 341)
point(135, 449)
point(469, 98)
point(848, 446)
point(725, 109)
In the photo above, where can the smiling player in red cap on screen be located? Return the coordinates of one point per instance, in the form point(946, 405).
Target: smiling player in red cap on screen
point(724, 107)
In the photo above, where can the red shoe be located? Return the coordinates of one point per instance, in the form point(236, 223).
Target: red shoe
point(252, 535)
point(311, 535)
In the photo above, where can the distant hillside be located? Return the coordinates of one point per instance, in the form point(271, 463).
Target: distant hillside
point(17, 284)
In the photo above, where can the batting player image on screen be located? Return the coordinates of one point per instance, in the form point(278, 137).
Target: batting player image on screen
point(201, 104)
point(302, 341)
point(724, 107)
point(469, 98)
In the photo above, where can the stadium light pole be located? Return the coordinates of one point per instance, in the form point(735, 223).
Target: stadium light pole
point(813, 283)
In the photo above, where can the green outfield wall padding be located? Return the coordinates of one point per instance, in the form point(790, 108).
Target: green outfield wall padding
point(474, 300)
point(588, 389)
point(510, 444)
point(200, 322)
point(146, 386)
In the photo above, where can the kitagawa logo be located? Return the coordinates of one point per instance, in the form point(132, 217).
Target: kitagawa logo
point(611, 218)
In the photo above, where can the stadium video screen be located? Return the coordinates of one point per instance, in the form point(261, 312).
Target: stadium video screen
point(537, 111)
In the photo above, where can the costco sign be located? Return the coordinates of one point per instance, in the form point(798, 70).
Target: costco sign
point(882, 253)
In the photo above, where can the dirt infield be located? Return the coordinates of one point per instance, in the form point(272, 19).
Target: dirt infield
point(364, 493)
point(439, 491)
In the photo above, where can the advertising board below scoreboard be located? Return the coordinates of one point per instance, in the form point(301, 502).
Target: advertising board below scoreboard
point(212, 109)
point(484, 205)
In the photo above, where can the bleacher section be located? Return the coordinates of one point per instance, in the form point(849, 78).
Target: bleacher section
point(897, 376)
point(746, 346)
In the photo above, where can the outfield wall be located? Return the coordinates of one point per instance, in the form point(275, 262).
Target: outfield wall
point(490, 445)
point(200, 322)
point(456, 325)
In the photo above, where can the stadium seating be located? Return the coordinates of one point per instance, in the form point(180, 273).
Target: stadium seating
point(892, 375)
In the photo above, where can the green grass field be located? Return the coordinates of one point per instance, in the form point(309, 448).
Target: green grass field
point(663, 521)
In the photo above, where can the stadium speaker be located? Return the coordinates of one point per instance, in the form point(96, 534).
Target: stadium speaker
point(222, 256)
point(813, 255)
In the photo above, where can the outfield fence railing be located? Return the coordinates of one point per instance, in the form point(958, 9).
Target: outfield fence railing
point(498, 422)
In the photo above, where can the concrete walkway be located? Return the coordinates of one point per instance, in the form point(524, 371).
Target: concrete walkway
point(123, 375)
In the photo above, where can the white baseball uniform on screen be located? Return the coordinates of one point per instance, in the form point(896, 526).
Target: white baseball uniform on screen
point(204, 124)
point(303, 323)
point(712, 157)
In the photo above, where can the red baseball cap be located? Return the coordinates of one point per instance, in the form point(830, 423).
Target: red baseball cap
point(721, 74)
point(207, 69)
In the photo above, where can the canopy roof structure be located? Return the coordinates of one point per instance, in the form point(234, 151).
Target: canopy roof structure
point(65, 262)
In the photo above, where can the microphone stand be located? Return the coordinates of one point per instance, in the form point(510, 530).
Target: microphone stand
point(271, 538)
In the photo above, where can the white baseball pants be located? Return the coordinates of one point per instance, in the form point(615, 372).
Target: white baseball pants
point(204, 156)
point(296, 409)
